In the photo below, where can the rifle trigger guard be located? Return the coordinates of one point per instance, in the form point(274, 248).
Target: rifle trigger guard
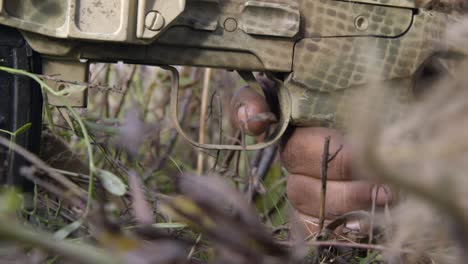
point(285, 106)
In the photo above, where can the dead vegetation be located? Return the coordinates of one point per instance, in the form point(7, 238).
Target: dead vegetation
point(149, 205)
point(144, 209)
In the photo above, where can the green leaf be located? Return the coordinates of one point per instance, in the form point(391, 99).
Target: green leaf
point(169, 225)
point(22, 129)
point(112, 183)
point(10, 201)
point(275, 190)
point(184, 81)
point(71, 88)
point(370, 258)
point(280, 215)
point(67, 230)
point(7, 132)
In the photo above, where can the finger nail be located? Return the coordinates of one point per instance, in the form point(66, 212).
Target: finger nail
point(384, 194)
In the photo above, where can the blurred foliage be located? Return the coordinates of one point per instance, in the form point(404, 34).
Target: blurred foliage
point(130, 192)
point(141, 205)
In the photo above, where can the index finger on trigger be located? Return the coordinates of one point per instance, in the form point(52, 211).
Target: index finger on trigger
point(250, 111)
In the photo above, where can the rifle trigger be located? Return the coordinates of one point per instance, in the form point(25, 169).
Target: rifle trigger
point(250, 79)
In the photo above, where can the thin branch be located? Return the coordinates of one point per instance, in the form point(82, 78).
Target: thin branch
point(161, 162)
point(194, 247)
point(375, 194)
point(268, 157)
point(86, 136)
point(41, 165)
point(204, 106)
point(350, 245)
point(10, 230)
point(264, 164)
point(230, 154)
point(101, 88)
point(220, 125)
point(323, 178)
point(125, 89)
point(335, 154)
point(29, 173)
point(439, 198)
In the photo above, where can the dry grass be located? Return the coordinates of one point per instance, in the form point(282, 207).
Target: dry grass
point(167, 214)
point(423, 151)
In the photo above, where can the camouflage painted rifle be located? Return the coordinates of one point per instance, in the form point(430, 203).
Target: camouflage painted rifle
point(315, 49)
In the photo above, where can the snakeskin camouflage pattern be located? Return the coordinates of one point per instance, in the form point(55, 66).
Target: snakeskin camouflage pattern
point(325, 18)
point(399, 3)
point(324, 68)
point(246, 39)
point(270, 19)
point(327, 49)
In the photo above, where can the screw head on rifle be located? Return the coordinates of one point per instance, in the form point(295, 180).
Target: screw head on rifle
point(154, 21)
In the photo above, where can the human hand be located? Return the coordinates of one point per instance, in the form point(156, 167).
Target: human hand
point(301, 155)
